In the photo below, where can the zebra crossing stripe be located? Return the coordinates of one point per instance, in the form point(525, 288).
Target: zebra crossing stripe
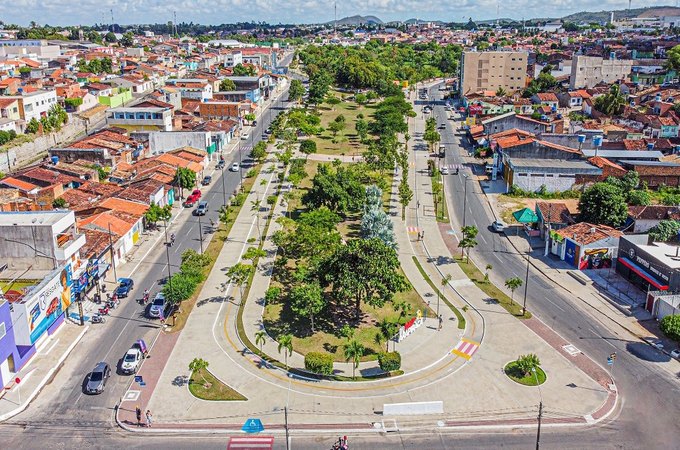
point(465, 348)
point(413, 229)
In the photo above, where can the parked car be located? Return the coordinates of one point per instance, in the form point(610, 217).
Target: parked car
point(445, 170)
point(442, 126)
point(245, 136)
point(498, 226)
point(220, 164)
point(206, 180)
point(125, 286)
point(96, 380)
point(234, 167)
point(268, 131)
point(131, 361)
point(190, 201)
point(157, 306)
point(201, 209)
point(676, 353)
point(254, 123)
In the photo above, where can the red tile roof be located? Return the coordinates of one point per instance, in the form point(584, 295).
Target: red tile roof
point(585, 233)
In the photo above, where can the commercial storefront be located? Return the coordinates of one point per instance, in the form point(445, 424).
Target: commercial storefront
point(654, 266)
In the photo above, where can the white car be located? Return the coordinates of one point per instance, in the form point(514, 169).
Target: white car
point(245, 136)
point(676, 353)
point(234, 167)
point(445, 170)
point(131, 361)
point(498, 226)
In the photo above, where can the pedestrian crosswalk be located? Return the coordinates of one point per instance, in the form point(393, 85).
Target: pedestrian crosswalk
point(413, 229)
point(465, 348)
point(454, 166)
point(251, 443)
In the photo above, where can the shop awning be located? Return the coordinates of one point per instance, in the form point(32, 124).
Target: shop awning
point(525, 215)
point(642, 273)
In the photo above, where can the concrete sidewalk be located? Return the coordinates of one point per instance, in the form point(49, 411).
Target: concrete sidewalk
point(40, 369)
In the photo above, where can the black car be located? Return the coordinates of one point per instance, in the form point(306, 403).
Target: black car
point(96, 381)
point(124, 288)
point(220, 164)
point(206, 180)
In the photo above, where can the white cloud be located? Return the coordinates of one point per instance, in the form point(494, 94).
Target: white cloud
point(72, 12)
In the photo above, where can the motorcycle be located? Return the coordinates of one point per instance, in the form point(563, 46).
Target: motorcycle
point(97, 318)
point(145, 298)
point(172, 240)
point(341, 444)
point(111, 305)
point(103, 311)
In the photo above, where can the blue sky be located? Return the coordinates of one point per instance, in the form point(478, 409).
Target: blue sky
point(73, 12)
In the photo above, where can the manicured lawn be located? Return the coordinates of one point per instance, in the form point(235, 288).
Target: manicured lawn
point(516, 375)
point(459, 316)
point(347, 140)
point(279, 319)
point(494, 293)
point(216, 390)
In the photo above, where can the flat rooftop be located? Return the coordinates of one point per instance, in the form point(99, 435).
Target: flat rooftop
point(28, 218)
point(627, 154)
point(664, 252)
point(574, 164)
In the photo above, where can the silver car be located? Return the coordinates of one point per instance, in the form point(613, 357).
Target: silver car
point(96, 381)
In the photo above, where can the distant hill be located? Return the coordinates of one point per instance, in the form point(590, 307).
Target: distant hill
point(358, 20)
point(603, 16)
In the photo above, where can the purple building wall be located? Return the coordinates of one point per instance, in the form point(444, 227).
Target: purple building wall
point(7, 345)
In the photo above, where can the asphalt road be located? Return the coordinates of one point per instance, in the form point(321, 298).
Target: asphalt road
point(63, 400)
point(650, 395)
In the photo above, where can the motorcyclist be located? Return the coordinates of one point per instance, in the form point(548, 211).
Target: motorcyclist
point(146, 295)
point(172, 238)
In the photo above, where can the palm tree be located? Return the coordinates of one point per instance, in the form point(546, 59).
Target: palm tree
point(387, 330)
point(198, 365)
point(445, 281)
point(512, 284)
point(354, 350)
point(501, 92)
point(260, 338)
point(527, 363)
point(286, 343)
point(486, 272)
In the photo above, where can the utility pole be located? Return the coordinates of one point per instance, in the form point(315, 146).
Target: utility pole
point(538, 432)
point(113, 259)
point(464, 198)
point(285, 418)
point(174, 23)
point(335, 20)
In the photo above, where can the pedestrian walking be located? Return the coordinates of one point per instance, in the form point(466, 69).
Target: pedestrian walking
point(138, 413)
point(422, 235)
point(148, 418)
point(440, 322)
point(418, 204)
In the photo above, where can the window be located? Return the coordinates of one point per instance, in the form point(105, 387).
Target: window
point(2, 330)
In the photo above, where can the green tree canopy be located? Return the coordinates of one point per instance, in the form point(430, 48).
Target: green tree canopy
point(364, 270)
point(665, 231)
point(603, 203)
point(307, 300)
point(296, 90)
point(340, 190)
point(244, 70)
point(227, 85)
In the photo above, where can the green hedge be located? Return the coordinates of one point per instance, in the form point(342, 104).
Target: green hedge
point(389, 361)
point(321, 363)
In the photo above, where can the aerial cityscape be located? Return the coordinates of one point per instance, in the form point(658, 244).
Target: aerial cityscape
point(339, 225)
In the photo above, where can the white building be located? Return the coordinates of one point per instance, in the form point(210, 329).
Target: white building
point(34, 105)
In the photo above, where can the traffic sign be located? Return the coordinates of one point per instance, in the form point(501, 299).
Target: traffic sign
point(253, 426)
point(610, 362)
point(139, 379)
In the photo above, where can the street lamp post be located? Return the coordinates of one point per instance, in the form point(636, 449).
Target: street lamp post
point(540, 410)
point(465, 178)
point(167, 252)
point(224, 191)
point(200, 232)
point(526, 283)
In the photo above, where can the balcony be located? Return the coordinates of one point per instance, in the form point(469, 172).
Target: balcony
point(68, 245)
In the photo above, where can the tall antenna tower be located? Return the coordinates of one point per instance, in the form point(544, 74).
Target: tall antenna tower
point(174, 23)
point(112, 21)
point(498, 16)
point(335, 19)
point(629, 4)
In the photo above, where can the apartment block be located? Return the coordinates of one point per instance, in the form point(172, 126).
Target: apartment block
point(587, 71)
point(488, 71)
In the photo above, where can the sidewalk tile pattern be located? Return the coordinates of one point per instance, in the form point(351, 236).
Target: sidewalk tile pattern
point(465, 348)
